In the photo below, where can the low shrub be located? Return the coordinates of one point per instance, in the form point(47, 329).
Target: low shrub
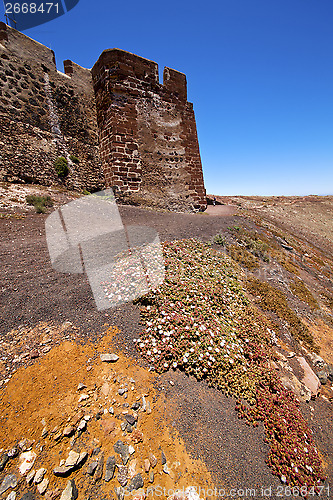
point(273, 300)
point(243, 257)
point(200, 321)
point(39, 202)
point(255, 243)
point(218, 239)
point(298, 288)
point(61, 166)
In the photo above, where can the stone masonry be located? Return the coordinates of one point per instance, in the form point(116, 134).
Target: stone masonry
point(124, 129)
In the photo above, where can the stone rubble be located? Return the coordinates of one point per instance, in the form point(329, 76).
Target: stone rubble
point(125, 471)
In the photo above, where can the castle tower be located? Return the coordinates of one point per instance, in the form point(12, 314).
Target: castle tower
point(148, 139)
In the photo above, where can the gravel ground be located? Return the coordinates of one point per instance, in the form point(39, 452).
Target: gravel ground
point(32, 292)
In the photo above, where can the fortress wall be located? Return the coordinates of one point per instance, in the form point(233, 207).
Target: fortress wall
point(128, 131)
point(29, 145)
point(148, 138)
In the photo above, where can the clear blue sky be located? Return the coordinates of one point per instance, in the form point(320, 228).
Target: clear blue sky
point(259, 72)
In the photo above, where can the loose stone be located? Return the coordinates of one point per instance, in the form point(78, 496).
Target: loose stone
point(10, 481)
point(83, 397)
point(122, 449)
point(119, 493)
point(322, 375)
point(61, 470)
point(107, 358)
point(99, 469)
point(82, 426)
point(26, 461)
point(166, 469)
point(91, 467)
point(131, 419)
point(152, 460)
point(13, 452)
point(42, 487)
point(70, 492)
point(27, 496)
point(72, 459)
point(30, 476)
point(122, 475)
point(135, 483)
point(39, 475)
point(57, 436)
point(110, 468)
point(68, 431)
point(82, 458)
point(3, 460)
point(146, 464)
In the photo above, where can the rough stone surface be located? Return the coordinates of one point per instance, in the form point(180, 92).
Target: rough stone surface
point(9, 481)
point(32, 139)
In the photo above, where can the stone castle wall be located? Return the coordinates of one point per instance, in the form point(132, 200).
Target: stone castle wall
point(32, 135)
point(127, 130)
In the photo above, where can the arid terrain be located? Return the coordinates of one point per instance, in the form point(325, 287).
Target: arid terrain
point(101, 426)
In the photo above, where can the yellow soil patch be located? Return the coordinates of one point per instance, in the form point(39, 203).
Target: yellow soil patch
point(323, 336)
point(45, 395)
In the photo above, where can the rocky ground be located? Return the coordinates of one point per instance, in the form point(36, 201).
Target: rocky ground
point(73, 424)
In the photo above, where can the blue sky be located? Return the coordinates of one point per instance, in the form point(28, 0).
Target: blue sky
point(259, 72)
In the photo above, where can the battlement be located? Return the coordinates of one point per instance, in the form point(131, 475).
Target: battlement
point(115, 63)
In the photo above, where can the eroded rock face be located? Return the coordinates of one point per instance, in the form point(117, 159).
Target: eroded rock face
point(309, 379)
